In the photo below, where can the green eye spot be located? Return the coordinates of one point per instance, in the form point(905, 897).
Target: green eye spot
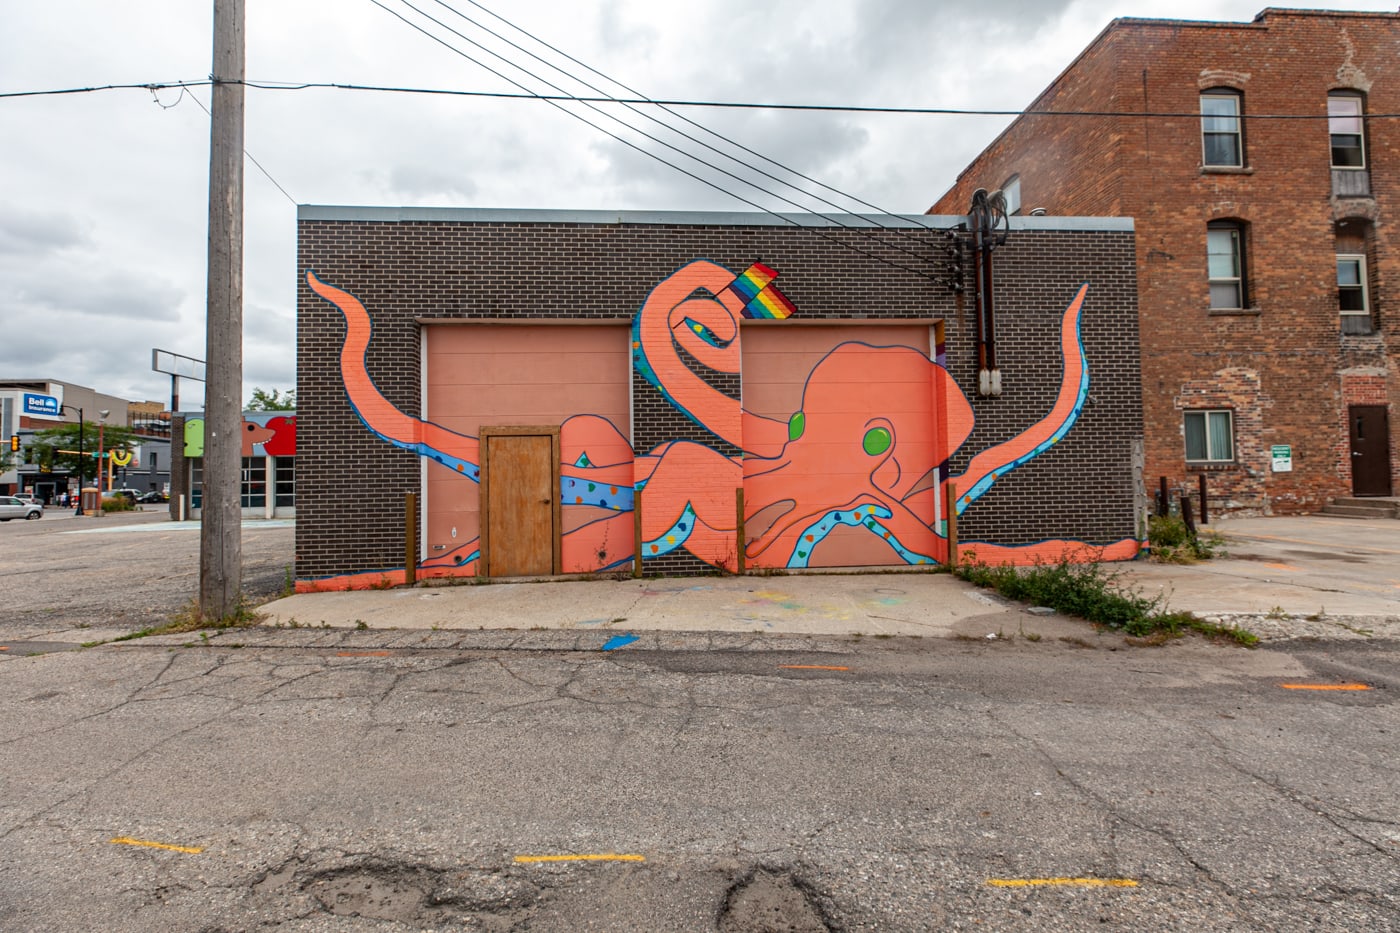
point(796, 425)
point(877, 441)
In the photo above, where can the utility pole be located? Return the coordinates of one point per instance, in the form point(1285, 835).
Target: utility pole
point(221, 543)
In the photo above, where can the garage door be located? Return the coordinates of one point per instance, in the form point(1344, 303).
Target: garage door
point(855, 483)
point(483, 376)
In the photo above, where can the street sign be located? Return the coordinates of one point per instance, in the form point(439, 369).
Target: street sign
point(45, 406)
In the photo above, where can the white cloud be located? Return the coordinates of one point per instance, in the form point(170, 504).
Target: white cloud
point(103, 220)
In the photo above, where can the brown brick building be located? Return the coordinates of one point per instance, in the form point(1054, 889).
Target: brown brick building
point(1258, 179)
point(533, 376)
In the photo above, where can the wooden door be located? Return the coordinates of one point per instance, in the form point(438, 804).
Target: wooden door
point(521, 486)
point(1370, 450)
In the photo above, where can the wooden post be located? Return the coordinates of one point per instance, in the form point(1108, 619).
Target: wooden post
point(952, 525)
point(1163, 498)
point(637, 534)
point(410, 538)
point(1186, 514)
point(1205, 510)
point(220, 540)
point(739, 526)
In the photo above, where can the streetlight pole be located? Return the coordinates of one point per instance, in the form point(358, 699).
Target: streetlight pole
point(101, 423)
point(81, 463)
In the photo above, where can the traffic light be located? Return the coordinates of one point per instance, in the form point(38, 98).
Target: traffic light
point(14, 442)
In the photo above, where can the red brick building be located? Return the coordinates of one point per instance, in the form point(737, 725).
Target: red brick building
point(1258, 181)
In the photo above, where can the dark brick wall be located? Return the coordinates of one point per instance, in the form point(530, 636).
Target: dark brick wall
point(1283, 365)
point(350, 484)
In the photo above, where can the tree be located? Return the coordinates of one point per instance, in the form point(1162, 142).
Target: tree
point(275, 400)
point(57, 448)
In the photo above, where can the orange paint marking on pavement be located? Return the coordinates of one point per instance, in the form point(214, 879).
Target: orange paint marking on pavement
point(597, 857)
point(1288, 567)
point(814, 667)
point(1048, 882)
point(1325, 686)
point(362, 654)
point(125, 841)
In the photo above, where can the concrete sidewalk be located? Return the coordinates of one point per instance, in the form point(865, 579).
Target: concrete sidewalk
point(1280, 578)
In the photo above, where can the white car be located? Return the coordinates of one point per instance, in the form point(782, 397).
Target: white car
point(14, 507)
point(28, 497)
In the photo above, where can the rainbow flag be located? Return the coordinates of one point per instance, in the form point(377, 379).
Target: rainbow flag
point(761, 299)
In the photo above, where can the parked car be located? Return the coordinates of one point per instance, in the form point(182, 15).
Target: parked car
point(155, 495)
point(28, 497)
point(14, 507)
point(129, 494)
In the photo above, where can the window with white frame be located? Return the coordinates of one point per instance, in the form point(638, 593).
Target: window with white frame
point(1225, 261)
point(1210, 436)
point(1011, 191)
point(1221, 136)
point(1344, 115)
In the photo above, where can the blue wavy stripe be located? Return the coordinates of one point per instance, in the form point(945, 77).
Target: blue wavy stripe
point(985, 483)
point(603, 495)
point(678, 534)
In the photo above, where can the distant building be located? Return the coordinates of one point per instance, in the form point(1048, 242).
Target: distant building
point(1268, 286)
point(28, 406)
point(267, 485)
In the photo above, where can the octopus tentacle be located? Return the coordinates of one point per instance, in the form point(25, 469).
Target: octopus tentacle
point(459, 452)
point(994, 462)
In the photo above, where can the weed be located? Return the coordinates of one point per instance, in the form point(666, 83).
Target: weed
point(1172, 543)
point(1031, 636)
point(1076, 642)
point(1276, 613)
point(361, 624)
point(383, 583)
point(189, 619)
point(1087, 591)
point(289, 586)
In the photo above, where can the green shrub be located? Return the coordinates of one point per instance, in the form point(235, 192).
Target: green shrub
point(117, 504)
point(1087, 591)
point(1170, 542)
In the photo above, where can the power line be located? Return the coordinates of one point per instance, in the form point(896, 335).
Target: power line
point(651, 155)
point(186, 91)
point(681, 132)
point(265, 85)
point(641, 132)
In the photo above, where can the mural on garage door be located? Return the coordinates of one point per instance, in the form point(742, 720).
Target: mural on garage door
point(858, 467)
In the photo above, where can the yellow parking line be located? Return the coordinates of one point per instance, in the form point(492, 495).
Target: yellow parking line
point(124, 841)
point(595, 857)
point(1324, 686)
point(1078, 882)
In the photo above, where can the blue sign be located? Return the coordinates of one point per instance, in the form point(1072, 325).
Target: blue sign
point(40, 405)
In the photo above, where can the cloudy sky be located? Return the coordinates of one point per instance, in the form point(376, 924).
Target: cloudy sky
point(103, 196)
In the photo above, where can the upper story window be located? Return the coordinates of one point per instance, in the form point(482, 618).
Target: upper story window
point(1345, 110)
point(1353, 294)
point(1226, 265)
point(1221, 134)
point(1011, 191)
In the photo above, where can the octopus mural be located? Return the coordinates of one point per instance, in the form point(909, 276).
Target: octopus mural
point(849, 462)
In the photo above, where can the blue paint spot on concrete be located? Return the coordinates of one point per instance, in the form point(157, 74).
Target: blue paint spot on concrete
point(619, 641)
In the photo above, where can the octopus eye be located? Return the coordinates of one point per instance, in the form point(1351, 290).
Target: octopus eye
point(796, 425)
point(877, 441)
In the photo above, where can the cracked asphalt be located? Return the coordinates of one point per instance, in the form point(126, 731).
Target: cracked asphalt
point(316, 779)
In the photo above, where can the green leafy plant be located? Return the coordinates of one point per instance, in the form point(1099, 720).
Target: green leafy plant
point(1171, 542)
point(1086, 590)
point(117, 504)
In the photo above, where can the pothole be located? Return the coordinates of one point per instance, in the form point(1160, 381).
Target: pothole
point(767, 901)
point(409, 893)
